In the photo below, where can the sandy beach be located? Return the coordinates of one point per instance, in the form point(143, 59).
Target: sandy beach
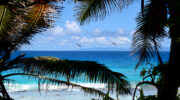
point(67, 94)
point(58, 95)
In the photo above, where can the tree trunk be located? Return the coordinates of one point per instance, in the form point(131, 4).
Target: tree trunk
point(4, 91)
point(169, 84)
point(167, 90)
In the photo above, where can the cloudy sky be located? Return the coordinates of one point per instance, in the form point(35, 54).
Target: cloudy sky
point(116, 28)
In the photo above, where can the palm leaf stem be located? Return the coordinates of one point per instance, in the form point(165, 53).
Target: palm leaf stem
point(85, 89)
point(2, 16)
point(142, 7)
point(87, 10)
point(157, 51)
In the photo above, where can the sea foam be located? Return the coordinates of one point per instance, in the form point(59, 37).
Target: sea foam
point(34, 86)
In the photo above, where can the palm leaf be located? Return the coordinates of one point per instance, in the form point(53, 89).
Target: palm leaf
point(150, 30)
point(142, 6)
point(91, 71)
point(20, 23)
point(48, 80)
point(38, 19)
point(4, 17)
point(8, 25)
point(88, 10)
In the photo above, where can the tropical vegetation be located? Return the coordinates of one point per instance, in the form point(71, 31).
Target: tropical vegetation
point(151, 76)
point(20, 20)
point(157, 19)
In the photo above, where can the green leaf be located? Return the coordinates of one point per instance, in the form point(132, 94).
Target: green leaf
point(88, 10)
point(142, 97)
point(90, 70)
point(143, 72)
point(150, 31)
point(48, 80)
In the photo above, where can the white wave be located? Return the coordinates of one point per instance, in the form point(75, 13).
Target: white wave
point(94, 85)
point(34, 86)
point(30, 87)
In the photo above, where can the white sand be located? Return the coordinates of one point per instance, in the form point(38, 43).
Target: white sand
point(66, 94)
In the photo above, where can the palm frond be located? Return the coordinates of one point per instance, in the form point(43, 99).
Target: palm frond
point(8, 81)
point(88, 10)
point(19, 23)
point(150, 30)
point(6, 16)
point(9, 23)
point(142, 6)
point(39, 18)
point(89, 70)
point(48, 80)
point(10, 64)
point(3, 18)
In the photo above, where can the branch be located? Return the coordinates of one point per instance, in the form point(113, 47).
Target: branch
point(15, 60)
point(5, 57)
point(11, 63)
point(150, 75)
point(141, 83)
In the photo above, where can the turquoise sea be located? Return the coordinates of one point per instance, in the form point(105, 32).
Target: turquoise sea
point(118, 61)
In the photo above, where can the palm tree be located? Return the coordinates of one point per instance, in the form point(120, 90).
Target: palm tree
point(20, 20)
point(49, 70)
point(158, 19)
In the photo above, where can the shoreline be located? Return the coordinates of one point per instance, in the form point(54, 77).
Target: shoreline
point(68, 94)
point(59, 95)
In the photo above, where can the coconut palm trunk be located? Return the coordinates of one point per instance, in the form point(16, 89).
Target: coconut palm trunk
point(3, 90)
point(171, 82)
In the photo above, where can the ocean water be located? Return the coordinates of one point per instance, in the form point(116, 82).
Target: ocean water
point(118, 61)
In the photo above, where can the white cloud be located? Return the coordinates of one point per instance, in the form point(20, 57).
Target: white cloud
point(63, 42)
point(73, 27)
point(97, 31)
point(102, 40)
point(91, 40)
point(58, 31)
point(121, 40)
point(51, 38)
point(86, 40)
point(75, 37)
point(108, 33)
point(120, 31)
point(98, 39)
point(132, 33)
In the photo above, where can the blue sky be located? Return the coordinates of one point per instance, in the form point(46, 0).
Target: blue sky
point(118, 27)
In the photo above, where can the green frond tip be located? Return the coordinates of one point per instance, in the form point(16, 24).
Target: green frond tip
point(89, 70)
point(151, 29)
point(88, 10)
point(47, 58)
